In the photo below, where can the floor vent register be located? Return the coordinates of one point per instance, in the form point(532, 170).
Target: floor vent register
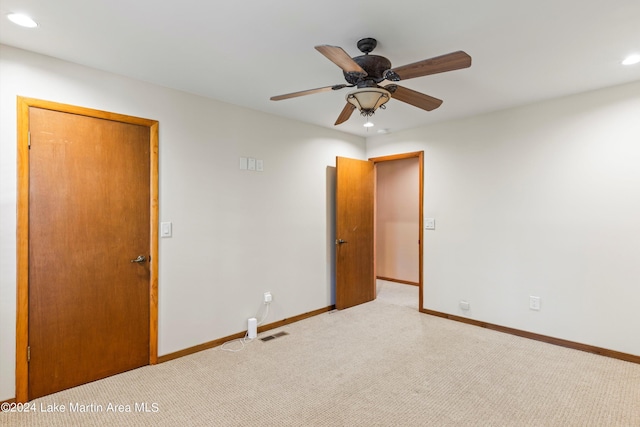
point(274, 336)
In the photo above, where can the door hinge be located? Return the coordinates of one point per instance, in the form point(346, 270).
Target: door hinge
point(28, 353)
point(29, 139)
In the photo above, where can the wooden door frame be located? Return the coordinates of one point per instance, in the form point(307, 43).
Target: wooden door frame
point(420, 156)
point(22, 268)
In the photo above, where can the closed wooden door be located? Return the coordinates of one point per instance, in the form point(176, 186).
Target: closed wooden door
point(355, 279)
point(89, 209)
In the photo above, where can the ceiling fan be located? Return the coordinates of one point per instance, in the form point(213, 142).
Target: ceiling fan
point(374, 79)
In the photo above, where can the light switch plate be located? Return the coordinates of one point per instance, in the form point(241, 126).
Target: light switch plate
point(430, 223)
point(251, 164)
point(259, 165)
point(243, 163)
point(165, 229)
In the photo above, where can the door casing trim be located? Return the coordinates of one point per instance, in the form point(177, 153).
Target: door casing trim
point(22, 231)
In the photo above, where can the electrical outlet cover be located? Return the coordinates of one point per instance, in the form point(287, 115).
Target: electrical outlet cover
point(534, 303)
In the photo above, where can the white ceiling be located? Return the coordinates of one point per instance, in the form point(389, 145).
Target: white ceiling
point(244, 52)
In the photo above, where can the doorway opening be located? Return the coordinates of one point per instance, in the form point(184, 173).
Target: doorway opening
point(399, 219)
point(355, 235)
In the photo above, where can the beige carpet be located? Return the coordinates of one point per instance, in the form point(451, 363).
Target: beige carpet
point(378, 364)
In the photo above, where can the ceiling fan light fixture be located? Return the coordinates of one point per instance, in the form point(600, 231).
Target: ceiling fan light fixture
point(368, 99)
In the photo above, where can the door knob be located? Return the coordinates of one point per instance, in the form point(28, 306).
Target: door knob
point(141, 258)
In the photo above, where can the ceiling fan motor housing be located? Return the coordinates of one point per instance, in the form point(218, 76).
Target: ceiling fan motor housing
point(374, 65)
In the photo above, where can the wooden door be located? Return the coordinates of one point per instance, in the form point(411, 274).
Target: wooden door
point(355, 280)
point(89, 216)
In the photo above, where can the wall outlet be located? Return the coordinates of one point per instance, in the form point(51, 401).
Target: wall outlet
point(534, 303)
point(464, 305)
point(267, 297)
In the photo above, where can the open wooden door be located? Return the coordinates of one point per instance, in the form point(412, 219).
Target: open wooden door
point(355, 190)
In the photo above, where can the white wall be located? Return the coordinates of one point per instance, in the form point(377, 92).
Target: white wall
point(542, 200)
point(236, 234)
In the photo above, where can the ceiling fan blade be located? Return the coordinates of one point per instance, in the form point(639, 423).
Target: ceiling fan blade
point(338, 56)
point(414, 98)
point(439, 64)
point(306, 92)
point(345, 114)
